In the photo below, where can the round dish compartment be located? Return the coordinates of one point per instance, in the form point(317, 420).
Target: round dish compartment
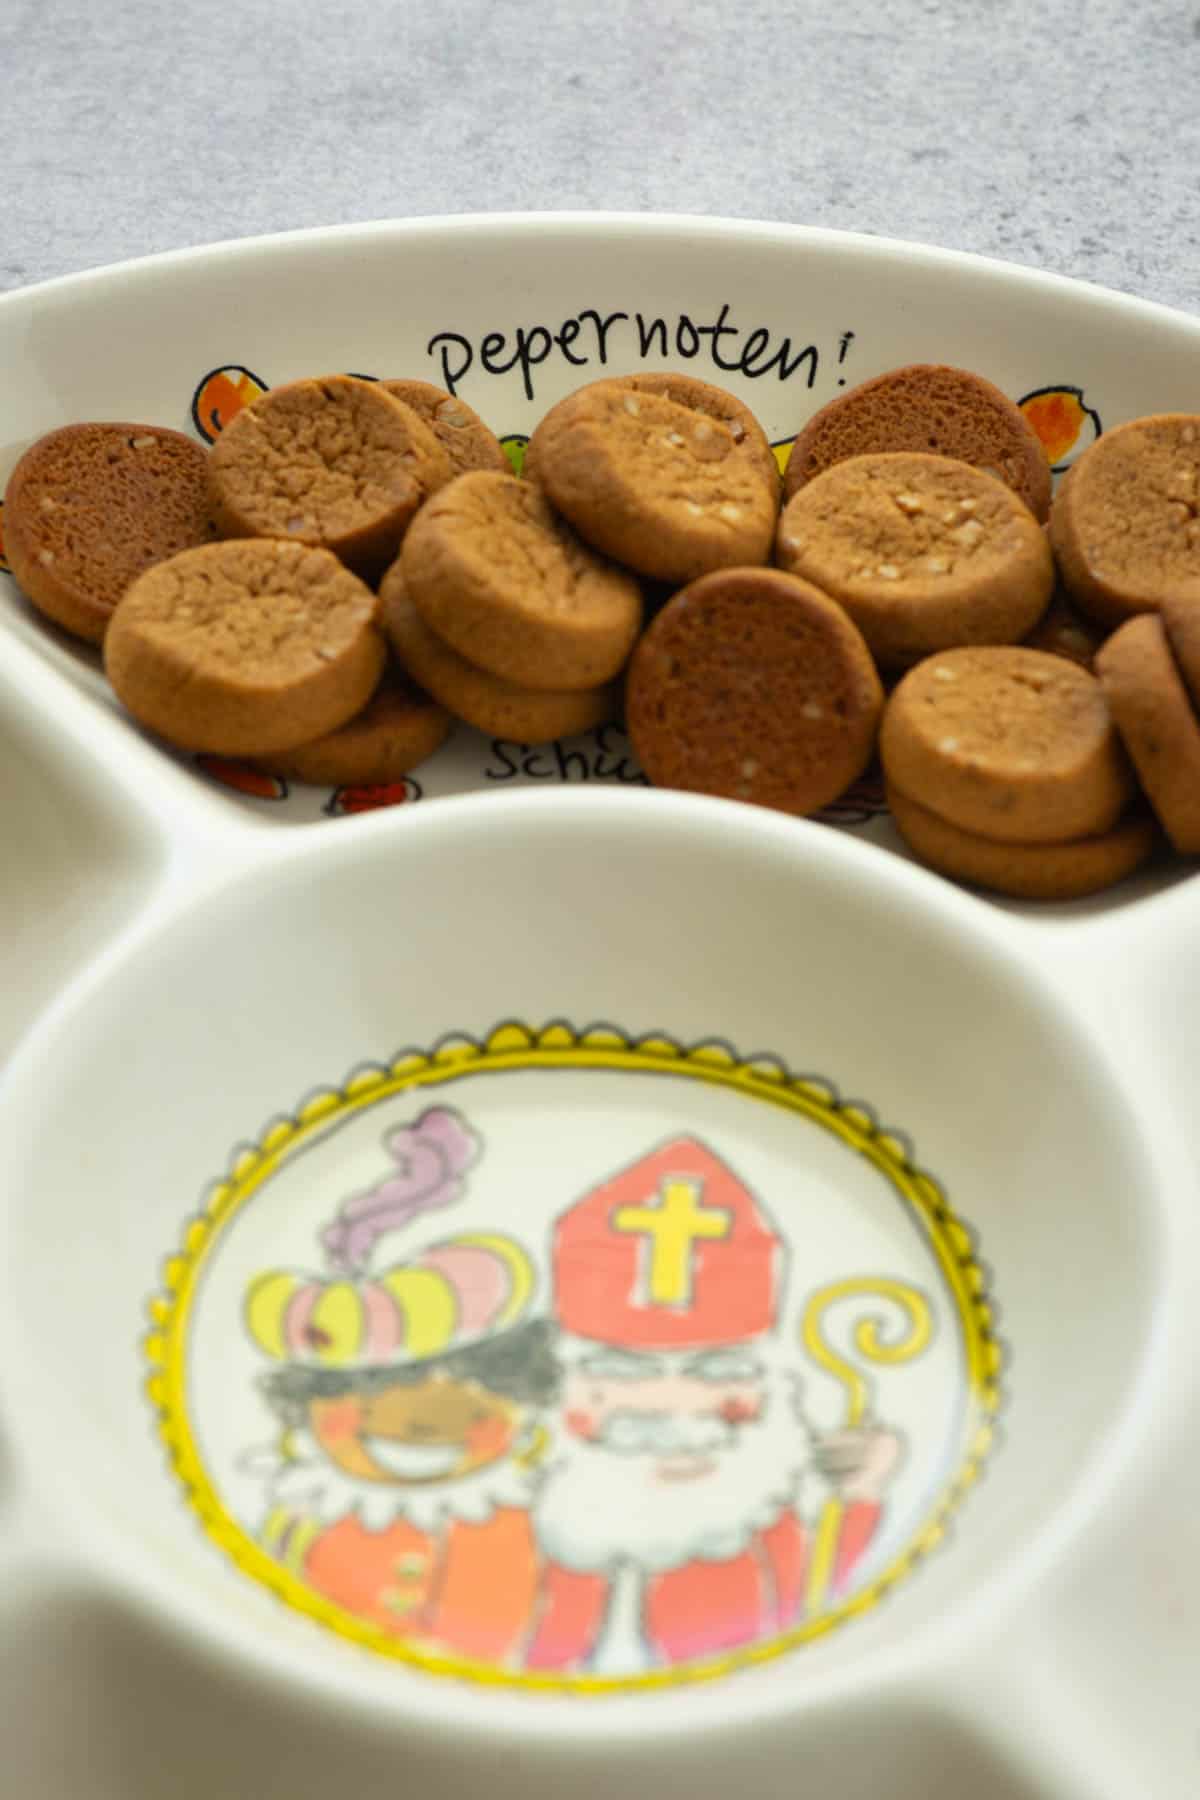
point(461, 1253)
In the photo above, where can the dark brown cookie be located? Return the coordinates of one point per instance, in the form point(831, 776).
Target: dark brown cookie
point(924, 552)
point(929, 407)
point(245, 648)
point(336, 463)
point(755, 686)
point(1125, 528)
point(89, 507)
point(1007, 743)
point(509, 585)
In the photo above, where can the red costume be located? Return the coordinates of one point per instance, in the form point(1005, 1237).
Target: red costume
point(701, 1608)
point(469, 1591)
point(675, 1254)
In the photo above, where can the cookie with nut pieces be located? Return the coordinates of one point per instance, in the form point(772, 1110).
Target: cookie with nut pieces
point(1066, 870)
point(1007, 743)
point(245, 648)
point(500, 708)
point(667, 486)
point(468, 442)
point(1125, 526)
point(335, 462)
point(924, 552)
point(508, 584)
point(928, 407)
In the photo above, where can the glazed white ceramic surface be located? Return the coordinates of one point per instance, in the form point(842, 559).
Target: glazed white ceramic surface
point(182, 978)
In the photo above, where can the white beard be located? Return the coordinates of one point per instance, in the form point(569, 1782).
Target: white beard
point(308, 1482)
point(598, 1507)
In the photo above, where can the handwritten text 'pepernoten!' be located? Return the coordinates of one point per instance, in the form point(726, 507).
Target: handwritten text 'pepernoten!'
point(589, 338)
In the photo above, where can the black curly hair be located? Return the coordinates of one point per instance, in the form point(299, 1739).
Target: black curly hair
point(519, 1363)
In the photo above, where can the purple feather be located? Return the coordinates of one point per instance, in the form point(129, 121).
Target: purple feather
point(432, 1155)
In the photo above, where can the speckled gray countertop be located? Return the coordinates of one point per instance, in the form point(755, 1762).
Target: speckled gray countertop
point(1062, 135)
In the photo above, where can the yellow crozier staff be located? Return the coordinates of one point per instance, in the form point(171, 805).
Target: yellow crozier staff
point(874, 1348)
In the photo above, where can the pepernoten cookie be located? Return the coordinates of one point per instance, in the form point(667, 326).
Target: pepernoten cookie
point(396, 731)
point(1007, 743)
point(507, 584)
point(1153, 713)
point(458, 428)
point(1055, 871)
point(89, 507)
point(927, 407)
point(488, 702)
point(923, 551)
point(334, 462)
point(754, 686)
point(1125, 527)
point(1064, 631)
point(245, 648)
point(668, 488)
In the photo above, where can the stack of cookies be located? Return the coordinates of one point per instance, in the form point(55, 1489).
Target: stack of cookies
point(232, 591)
point(355, 565)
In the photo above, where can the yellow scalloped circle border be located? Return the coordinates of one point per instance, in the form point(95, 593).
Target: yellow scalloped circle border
point(558, 1045)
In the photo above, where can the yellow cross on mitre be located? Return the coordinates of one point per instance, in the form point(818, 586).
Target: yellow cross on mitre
point(674, 1221)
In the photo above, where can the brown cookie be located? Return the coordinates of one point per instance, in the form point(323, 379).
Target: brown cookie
point(488, 702)
point(397, 729)
point(457, 427)
point(923, 551)
point(1063, 631)
point(1153, 713)
point(1125, 528)
point(668, 489)
point(753, 685)
point(1007, 743)
point(507, 584)
point(336, 463)
point(1055, 871)
point(714, 403)
point(927, 407)
point(1181, 617)
point(245, 648)
point(88, 507)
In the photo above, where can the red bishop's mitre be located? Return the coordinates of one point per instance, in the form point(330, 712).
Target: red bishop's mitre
point(672, 1253)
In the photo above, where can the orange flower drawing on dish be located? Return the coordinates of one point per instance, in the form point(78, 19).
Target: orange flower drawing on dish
point(242, 778)
point(1063, 420)
point(221, 395)
point(370, 797)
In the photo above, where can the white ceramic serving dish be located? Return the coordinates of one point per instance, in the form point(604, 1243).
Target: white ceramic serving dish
point(561, 1287)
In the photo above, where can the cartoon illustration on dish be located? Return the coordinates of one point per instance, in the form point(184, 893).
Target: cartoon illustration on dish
point(371, 796)
point(671, 1516)
point(635, 1365)
point(220, 395)
point(1063, 420)
point(405, 1399)
point(242, 777)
